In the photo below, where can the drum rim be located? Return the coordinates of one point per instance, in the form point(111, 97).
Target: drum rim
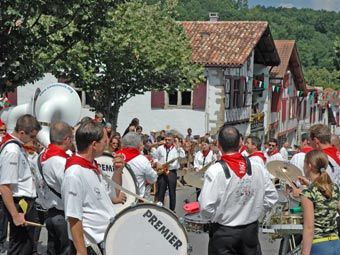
point(132, 207)
point(130, 171)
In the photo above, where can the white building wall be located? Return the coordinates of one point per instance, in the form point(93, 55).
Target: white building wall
point(179, 119)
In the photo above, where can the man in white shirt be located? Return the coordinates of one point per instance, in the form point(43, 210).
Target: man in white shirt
point(169, 151)
point(17, 185)
point(253, 147)
point(3, 215)
point(298, 159)
point(233, 196)
point(87, 205)
point(284, 151)
point(273, 151)
point(140, 165)
point(53, 161)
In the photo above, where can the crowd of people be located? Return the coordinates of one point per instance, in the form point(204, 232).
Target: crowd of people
point(64, 182)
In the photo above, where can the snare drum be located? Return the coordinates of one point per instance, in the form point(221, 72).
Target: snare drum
point(146, 229)
point(289, 219)
point(195, 223)
point(129, 181)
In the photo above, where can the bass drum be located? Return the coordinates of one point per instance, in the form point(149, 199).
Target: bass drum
point(146, 229)
point(129, 180)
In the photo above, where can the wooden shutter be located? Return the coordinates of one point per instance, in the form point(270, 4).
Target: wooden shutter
point(12, 97)
point(157, 99)
point(284, 110)
point(199, 96)
point(275, 102)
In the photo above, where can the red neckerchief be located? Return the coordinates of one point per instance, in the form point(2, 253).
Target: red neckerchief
point(333, 153)
point(7, 137)
point(53, 150)
point(259, 154)
point(80, 161)
point(128, 153)
point(273, 152)
point(306, 149)
point(205, 153)
point(236, 162)
point(243, 148)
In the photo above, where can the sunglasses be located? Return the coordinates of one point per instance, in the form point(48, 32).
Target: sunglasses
point(3, 130)
point(272, 145)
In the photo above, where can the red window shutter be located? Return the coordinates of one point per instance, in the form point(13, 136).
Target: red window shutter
point(157, 99)
point(275, 102)
point(199, 96)
point(304, 109)
point(12, 97)
point(284, 110)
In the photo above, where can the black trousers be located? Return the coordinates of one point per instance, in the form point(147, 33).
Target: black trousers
point(240, 240)
point(165, 181)
point(22, 239)
point(57, 242)
point(3, 222)
point(90, 251)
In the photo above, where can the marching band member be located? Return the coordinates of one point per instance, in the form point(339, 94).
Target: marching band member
point(233, 196)
point(140, 165)
point(3, 215)
point(17, 185)
point(320, 202)
point(204, 156)
point(320, 136)
point(88, 207)
point(299, 158)
point(255, 154)
point(273, 152)
point(52, 162)
point(164, 153)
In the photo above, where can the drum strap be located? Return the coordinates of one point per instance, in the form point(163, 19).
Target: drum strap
point(92, 244)
point(226, 168)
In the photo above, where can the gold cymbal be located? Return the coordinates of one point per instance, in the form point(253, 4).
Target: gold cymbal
point(194, 179)
point(284, 170)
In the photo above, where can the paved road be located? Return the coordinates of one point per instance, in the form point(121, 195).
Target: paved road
point(199, 242)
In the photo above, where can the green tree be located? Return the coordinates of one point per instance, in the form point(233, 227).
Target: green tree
point(141, 49)
point(28, 29)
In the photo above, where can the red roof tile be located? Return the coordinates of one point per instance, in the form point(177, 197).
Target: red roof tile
point(285, 50)
point(224, 43)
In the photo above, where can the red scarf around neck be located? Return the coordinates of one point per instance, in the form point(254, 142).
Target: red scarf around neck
point(306, 149)
point(236, 162)
point(128, 153)
point(205, 153)
point(259, 154)
point(7, 137)
point(80, 161)
point(243, 148)
point(273, 152)
point(53, 150)
point(333, 153)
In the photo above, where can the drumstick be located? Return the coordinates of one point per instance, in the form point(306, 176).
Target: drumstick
point(288, 178)
point(34, 224)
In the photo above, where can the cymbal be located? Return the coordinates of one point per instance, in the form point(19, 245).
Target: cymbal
point(284, 170)
point(194, 179)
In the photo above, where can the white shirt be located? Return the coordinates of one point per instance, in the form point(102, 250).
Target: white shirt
point(143, 171)
point(235, 201)
point(334, 172)
point(276, 156)
point(298, 160)
point(53, 170)
point(15, 170)
point(163, 155)
point(200, 161)
point(284, 153)
point(85, 198)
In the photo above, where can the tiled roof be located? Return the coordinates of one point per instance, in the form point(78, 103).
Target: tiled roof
point(224, 43)
point(285, 49)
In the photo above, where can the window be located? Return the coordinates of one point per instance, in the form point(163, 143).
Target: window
point(180, 98)
point(236, 94)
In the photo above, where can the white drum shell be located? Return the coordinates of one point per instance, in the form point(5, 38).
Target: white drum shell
point(129, 181)
point(146, 229)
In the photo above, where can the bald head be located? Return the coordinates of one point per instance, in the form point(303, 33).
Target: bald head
point(59, 131)
point(229, 139)
point(335, 141)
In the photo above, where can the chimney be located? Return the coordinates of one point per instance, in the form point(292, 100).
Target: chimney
point(213, 16)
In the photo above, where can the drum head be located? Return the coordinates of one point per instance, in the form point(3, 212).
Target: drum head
point(129, 180)
point(195, 218)
point(146, 229)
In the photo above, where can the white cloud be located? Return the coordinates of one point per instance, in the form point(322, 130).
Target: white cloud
point(287, 5)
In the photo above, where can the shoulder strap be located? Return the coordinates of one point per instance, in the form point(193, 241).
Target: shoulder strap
point(42, 175)
point(331, 165)
point(226, 168)
point(10, 141)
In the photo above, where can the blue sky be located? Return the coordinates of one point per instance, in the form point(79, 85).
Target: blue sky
point(330, 5)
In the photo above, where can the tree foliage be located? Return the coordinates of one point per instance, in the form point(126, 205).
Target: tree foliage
point(141, 49)
point(28, 29)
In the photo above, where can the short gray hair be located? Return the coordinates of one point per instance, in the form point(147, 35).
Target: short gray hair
point(59, 131)
point(131, 139)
